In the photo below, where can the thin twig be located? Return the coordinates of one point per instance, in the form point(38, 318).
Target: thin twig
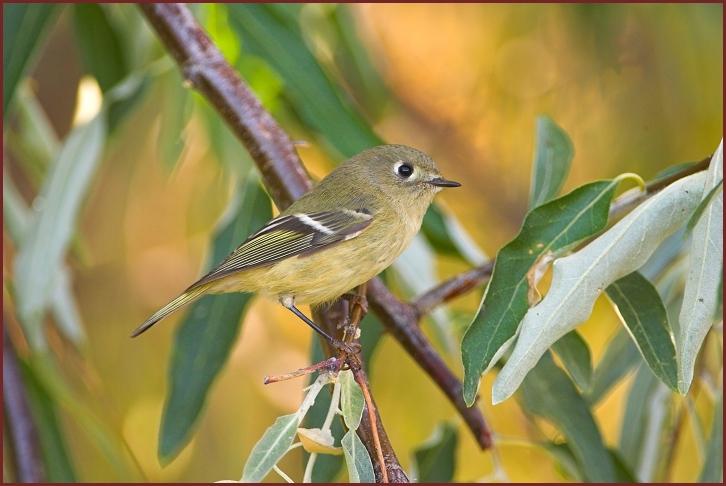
point(22, 430)
point(329, 364)
point(452, 288)
point(360, 378)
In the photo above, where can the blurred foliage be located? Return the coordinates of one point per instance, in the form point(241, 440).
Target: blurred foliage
point(633, 88)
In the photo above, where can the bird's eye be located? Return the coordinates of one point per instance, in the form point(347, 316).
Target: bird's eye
point(405, 170)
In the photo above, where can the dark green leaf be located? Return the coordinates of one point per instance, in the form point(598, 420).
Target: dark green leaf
point(712, 471)
point(552, 156)
point(644, 315)
point(25, 25)
point(56, 459)
point(568, 465)
point(621, 356)
point(547, 228)
point(41, 257)
point(100, 45)
point(575, 355)
point(271, 32)
point(205, 338)
point(623, 474)
point(548, 392)
point(435, 460)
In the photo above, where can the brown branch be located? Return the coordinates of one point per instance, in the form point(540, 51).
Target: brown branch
point(452, 288)
point(21, 429)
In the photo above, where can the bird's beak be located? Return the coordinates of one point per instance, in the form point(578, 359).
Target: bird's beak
point(441, 182)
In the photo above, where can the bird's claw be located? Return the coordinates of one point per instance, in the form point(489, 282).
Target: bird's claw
point(346, 348)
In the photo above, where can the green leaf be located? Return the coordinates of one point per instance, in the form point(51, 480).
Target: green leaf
point(360, 468)
point(548, 392)
point(642, 312)
point(57, 462)
point(271, 32)
point(704, 277)
point(176, 109)
point(100, 44)
point(579, 278)
point(621, 356)
point(59, 203)
point(575, 355)
point(712, 471)
point(552, 157)
point(642, 397)
point(24, 27)
point(205, 338)
point(351, 400)
point(435, 460)
point(546, 229)
point(274, 444)
point(447, 236)
point(704, 204)
point(568, 465)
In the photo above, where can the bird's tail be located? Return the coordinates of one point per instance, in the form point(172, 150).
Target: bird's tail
point(189, 296)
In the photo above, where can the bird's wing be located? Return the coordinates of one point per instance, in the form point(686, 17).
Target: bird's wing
point(294, 234)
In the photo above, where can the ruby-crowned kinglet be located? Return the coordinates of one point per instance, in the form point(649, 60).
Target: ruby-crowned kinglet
point(342, 233)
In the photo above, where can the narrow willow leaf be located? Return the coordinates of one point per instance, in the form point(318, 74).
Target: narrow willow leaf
point(274, 444)
point(51, 230)
point(641, 310)
point(712, 471)
point(706, 202)
point(578, 279)
point(205, 338)
point(568, 465)
point(635, 418)
point(351, 400)
point(446, 235)
point(100, 45)
point(57, 462)
point(553, 154)
point(704, 276)
point(575, 355)
point(271, 32)
point(548, 392)
point(360, 468)
point(62, 302)
point(435, 460)
point(176, 109)
point(25, 26)
point(621, 356)
point(548, 228)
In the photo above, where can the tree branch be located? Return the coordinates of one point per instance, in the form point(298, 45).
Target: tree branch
point(22, 432)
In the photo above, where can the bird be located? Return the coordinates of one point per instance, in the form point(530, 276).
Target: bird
point(346, 230)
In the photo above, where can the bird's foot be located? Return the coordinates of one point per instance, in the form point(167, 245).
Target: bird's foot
point(358, 300)
point(344, 348)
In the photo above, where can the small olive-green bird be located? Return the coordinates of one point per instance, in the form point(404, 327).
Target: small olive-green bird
point(342, 233)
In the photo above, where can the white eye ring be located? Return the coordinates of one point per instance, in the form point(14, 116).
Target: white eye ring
point(403, 169)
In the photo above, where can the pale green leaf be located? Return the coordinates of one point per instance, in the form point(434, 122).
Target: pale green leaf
point(435, 460)
point(351, 400)
point(360, 468)
point(547, 228)
point(575, 355)
point(274, 444)
point(580, 278)
point(641, 310)
point(52, 227)
point(552, 157)
point(205, 338)
point(704, 275)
